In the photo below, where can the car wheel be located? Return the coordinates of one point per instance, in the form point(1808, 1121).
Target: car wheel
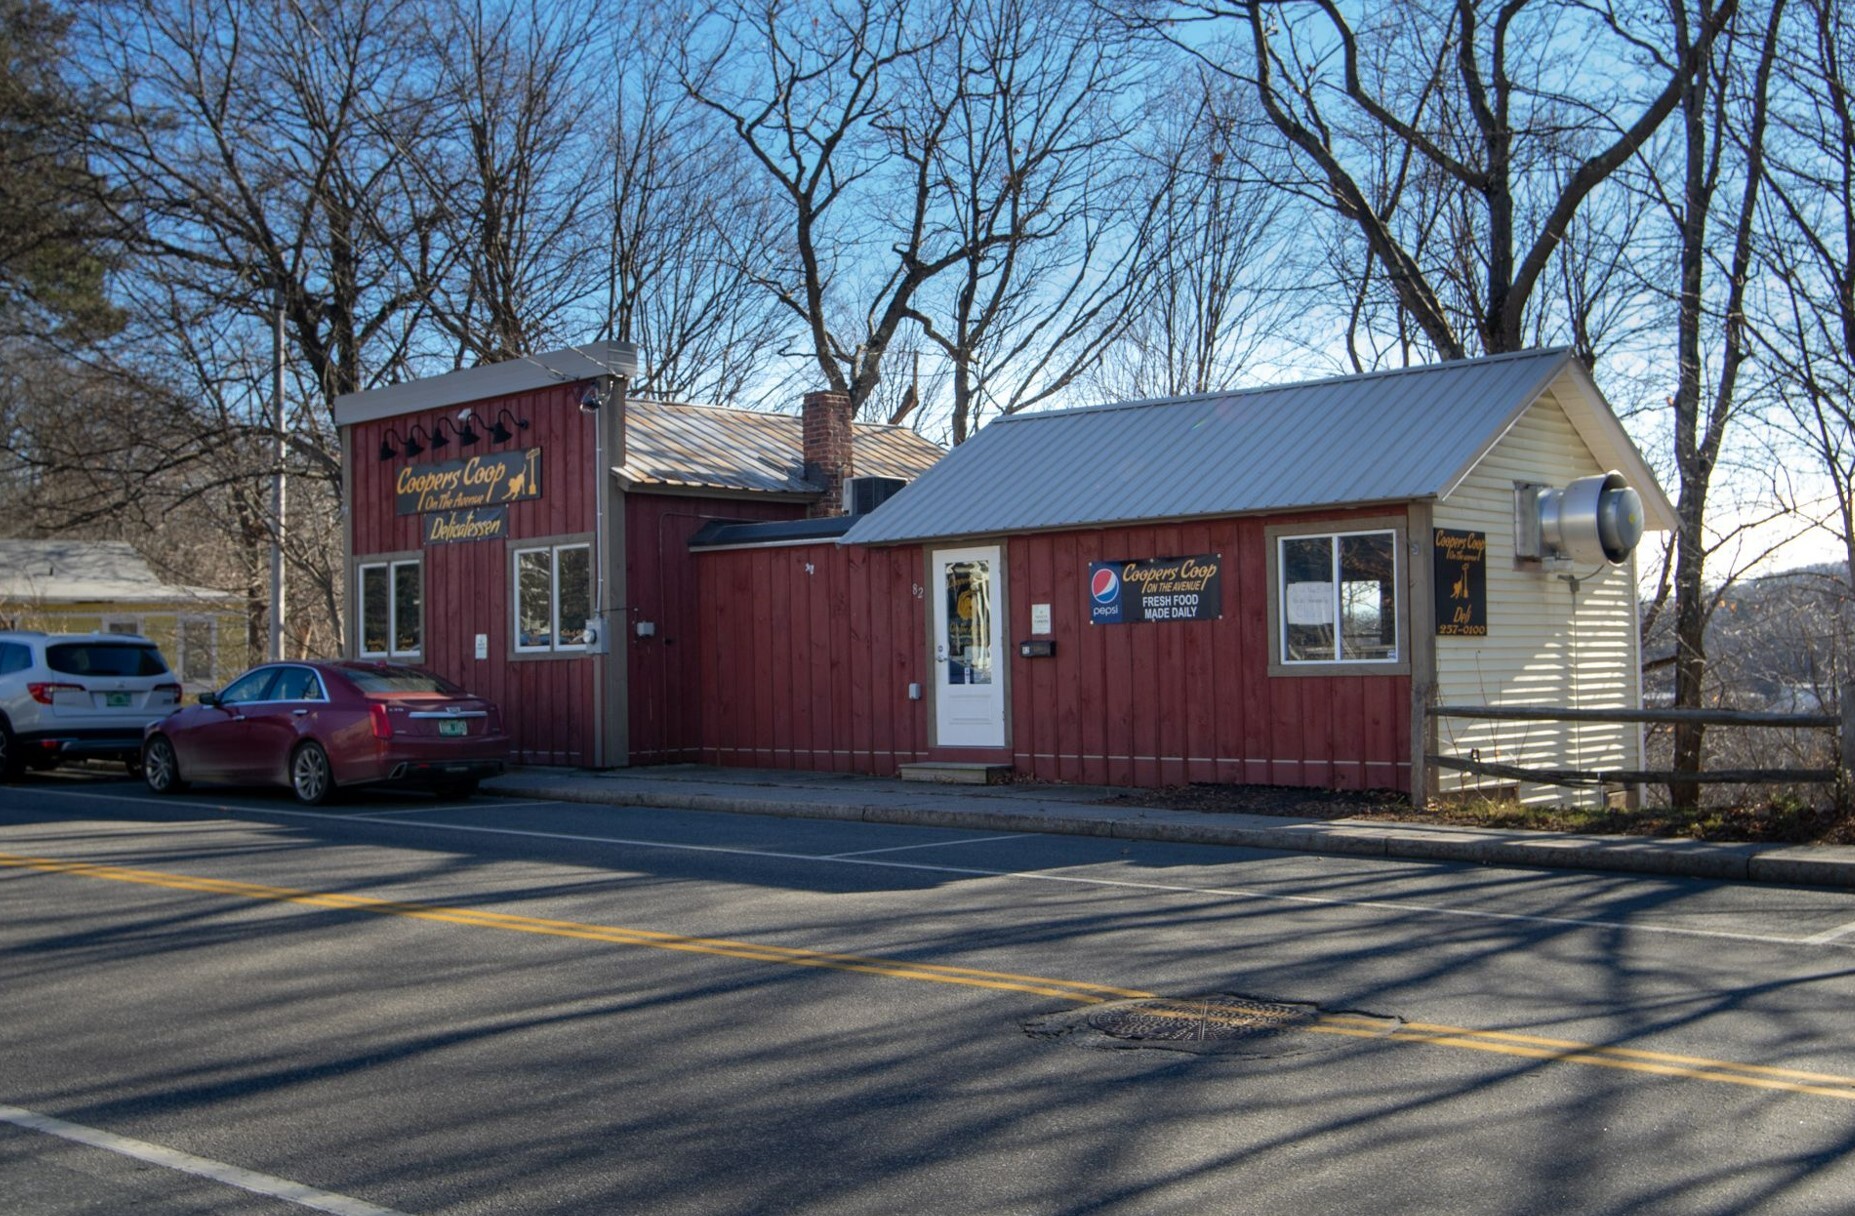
point(9, 753)
point(455, 787)
point(310, 776)
point(161, 767)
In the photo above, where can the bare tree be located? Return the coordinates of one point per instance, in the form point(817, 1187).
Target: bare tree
point(1808, 322)
point(506, 155)
point(1216, 293)
point(1503, 129)
point(255, 153)
point(936, 169)
point(1721, 143)
point(681, 279)
point(1026, 167)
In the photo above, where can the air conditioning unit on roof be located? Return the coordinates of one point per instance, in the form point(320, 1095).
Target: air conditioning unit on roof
point(864, 494)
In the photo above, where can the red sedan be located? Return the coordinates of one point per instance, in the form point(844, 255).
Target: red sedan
point(319, 726)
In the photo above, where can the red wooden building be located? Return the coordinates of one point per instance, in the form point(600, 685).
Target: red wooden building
point(523, 528)
point(1262, 586)
point(1265, 586)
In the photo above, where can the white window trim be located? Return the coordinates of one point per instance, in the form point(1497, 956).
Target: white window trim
point(391, 566)
point(1332, 530)
point(554, 644)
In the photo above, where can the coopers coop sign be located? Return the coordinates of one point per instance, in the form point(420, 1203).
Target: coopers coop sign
point(480, 481)
point(1156, 589)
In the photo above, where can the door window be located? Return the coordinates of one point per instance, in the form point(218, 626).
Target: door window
point(969, 622)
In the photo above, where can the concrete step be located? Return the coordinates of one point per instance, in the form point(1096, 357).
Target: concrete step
point(951, 773)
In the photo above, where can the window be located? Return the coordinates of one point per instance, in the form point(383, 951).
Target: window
point(104, 659)
point(122, 624)
point(298, 684)
point(13, 657)
point(387, 679)
point(253, 686)
point(391, 599)
point(196, 649)
point(553, 598)
point(1338, 599)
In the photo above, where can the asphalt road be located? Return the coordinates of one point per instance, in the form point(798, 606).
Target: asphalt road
point(226, 1004)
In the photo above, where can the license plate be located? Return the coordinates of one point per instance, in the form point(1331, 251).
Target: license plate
point(454, 728)
point(116, 700)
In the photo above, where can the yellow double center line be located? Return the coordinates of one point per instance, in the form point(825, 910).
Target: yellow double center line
point(1535, 1047)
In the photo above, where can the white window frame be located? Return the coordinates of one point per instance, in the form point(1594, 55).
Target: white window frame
point(392, 567)
point(554, 645)
point(1333, 531)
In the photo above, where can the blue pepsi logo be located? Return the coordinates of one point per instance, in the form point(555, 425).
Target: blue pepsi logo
point(1105, 586)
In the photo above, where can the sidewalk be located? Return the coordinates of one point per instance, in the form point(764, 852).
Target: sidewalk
point(1037, 808)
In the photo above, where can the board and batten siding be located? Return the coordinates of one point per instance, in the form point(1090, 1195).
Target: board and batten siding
point(1546, 644)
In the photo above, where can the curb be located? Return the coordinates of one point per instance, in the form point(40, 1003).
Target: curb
point(1785, 865)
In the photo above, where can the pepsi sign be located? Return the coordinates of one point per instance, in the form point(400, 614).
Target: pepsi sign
point(1156, 589)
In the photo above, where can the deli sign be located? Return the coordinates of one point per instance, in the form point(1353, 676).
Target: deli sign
point(1156, 589)
point(488, 480)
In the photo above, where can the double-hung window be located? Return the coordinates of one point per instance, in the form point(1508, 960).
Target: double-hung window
point(1337, 597)
point(553, 598)
point(391, 609)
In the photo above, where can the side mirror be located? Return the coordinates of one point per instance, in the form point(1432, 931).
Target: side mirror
point(209, 698)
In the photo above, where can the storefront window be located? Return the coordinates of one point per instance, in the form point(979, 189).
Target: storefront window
point(553, 598)
point(1339, 592)
point(391, 609)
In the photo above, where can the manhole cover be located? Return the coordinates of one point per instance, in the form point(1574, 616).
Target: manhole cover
point(1223, 1024)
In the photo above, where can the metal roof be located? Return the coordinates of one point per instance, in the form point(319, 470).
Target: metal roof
point(1389, 436)
point(88, 571)
point(505, 379)
point(713, 448)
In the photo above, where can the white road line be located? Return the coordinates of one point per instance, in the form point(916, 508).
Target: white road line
point(1374, 905)
point(932, 844)
point(1830, 935)
point(203, 1167)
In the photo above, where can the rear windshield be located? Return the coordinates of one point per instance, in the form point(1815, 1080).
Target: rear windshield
point(105, 659)
point(390, 678)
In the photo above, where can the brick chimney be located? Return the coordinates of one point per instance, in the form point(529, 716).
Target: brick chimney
point(828, 458)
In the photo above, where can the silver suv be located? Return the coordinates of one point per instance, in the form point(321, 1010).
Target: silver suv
point(69, 696)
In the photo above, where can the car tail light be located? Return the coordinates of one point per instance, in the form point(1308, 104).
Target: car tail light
point(383, 727)
point(43, 693)
point(173, 688)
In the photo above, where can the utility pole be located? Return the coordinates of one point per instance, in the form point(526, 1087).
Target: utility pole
point(275, 651)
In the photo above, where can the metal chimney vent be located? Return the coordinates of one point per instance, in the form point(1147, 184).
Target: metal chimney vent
point(1593, 520)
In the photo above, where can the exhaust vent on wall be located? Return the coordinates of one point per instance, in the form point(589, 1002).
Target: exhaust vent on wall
point(1591, 521)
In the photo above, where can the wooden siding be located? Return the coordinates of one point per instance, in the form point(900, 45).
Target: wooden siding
point(661, 587)
point(807, 652)
point(549, 704)
point(1545, 645)
point(1167, 703)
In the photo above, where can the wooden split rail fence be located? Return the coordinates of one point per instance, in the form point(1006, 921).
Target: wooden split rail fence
point(1843, 724)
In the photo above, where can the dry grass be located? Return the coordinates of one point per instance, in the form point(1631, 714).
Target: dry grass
point(1782, 818)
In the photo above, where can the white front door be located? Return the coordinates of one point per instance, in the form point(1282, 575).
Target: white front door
point(969, 667)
